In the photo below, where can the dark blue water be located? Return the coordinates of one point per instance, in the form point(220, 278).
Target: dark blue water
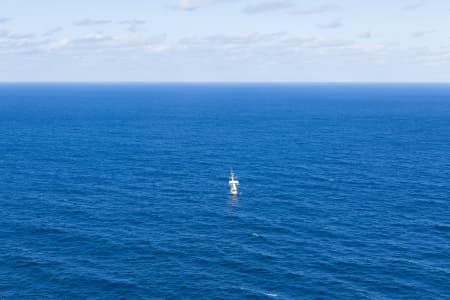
point(120, 191)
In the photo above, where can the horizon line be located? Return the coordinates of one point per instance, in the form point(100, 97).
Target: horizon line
point(231, 82)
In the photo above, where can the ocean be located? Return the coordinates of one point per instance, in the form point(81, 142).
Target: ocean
point(120, 191)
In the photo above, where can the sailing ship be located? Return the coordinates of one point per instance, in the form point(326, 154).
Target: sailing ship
point(233, 183)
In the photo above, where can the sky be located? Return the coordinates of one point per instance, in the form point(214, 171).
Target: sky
point(225, 40)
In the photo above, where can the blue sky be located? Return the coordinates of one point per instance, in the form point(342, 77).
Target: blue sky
point(225, 40)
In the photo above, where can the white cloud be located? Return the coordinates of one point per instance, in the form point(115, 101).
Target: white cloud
point(419, 34)
point(133, 22)
point(91, 22)
point(101, 42)
point(319, 9)
point(413, 5)
point(16, 43)
point(433, 57)
point(317, 43)
point(52, 31)
point(132, 25)
point(227, 41)
point(268, 6)
point(332, 24)
point(5, 34)
point(365, 35)
point(331, 44)
point(192, 4)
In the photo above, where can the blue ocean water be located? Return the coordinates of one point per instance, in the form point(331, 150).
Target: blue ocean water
point(120, 191)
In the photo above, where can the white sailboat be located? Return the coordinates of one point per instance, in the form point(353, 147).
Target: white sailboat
point(233, 184)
